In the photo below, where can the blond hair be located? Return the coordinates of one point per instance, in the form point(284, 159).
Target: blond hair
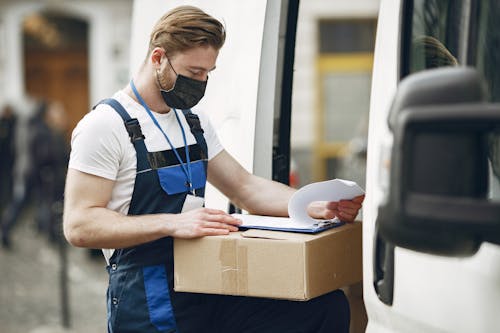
point(186, 27)
point(434, 52)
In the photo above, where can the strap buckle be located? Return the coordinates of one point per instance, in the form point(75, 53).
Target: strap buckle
point(134, 130)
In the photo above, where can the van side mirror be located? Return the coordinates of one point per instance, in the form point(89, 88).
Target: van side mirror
point(440, 164)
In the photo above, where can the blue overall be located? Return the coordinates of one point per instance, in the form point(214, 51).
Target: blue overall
point(140, 296)
point(141, 277)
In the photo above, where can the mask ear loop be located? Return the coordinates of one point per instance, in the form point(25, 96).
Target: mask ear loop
point(170, 64)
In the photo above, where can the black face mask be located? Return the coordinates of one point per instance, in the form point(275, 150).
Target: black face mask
point(185, 93)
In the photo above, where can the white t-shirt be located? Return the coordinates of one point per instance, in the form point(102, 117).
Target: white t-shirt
point(100, 145)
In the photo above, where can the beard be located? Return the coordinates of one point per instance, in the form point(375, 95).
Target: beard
point(165, 80)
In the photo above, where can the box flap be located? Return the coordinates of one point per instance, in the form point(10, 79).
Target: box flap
point(265, 234)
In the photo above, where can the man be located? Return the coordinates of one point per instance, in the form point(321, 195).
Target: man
point(156, 174)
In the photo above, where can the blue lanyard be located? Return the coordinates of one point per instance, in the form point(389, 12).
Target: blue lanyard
point(187, 171)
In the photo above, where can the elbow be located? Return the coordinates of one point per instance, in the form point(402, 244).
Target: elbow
point(72, 236)
point(73, 233)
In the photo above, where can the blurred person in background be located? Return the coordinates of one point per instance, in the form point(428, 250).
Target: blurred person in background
point(41, 155)
point(7, 154)
point(21, 170)
point(50, 152)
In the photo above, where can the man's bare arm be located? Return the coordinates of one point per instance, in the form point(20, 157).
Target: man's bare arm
point(89, 223)
point(249, 192)
point(266, 197)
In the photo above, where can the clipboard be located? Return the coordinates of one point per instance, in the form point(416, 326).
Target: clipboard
point(285, 224)
point(299, 220)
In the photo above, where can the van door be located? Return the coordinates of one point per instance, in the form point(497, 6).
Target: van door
point(248, 100)
point(432, 213)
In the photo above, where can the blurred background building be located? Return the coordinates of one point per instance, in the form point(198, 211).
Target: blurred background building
point(331, 88)
point(77, 52)
point(72, 51)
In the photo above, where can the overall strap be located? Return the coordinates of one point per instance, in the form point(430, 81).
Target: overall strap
point(134, 132)
point(195, 126)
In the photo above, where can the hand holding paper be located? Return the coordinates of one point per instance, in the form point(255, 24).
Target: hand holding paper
point(299, 220)
point(330, 190)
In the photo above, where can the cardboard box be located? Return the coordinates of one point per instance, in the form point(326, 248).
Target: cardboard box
point(271, 264)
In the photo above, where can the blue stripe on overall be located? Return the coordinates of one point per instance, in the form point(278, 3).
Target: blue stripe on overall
point(140, 295)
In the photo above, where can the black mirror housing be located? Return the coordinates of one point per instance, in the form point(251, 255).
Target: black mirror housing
point(437, 201)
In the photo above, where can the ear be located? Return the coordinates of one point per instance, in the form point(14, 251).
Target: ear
point(157, 56)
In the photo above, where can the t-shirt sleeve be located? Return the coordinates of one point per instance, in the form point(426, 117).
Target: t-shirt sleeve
point(96, 143)
point(213, 143)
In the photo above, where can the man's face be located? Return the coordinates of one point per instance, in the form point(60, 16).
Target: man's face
point(195, 63)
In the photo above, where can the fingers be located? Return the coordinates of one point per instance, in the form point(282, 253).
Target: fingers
point(215, 232)
point(221, 217)
point(346, 210)
point(214, 222)
point(316, 209)
point(333, 205)
point(218, 225)
point(204, 222)
point(349, 205)
point(355, 203)
point(359, 199)
point(329, 214)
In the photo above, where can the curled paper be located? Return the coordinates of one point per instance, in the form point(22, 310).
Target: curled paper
point(330, 190)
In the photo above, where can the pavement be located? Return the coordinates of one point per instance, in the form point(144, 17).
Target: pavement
point(30, 288)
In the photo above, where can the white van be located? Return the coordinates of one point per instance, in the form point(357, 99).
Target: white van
point(431, 230)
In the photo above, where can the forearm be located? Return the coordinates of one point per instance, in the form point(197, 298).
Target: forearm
point(261, 196)
point(87, 221)
point(252, 193)
point(264, 197)
point(98, 227)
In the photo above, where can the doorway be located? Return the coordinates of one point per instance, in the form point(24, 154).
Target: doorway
point(56, 61)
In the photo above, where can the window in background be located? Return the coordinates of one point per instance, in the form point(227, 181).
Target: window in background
point(343, 68)
point(331, 89)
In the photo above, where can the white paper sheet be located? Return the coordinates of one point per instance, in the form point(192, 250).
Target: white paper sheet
point(271, 222)
point(331, 190)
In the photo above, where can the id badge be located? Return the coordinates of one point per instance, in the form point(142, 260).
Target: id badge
point(192, 202)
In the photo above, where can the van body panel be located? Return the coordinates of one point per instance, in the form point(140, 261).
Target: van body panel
point(232, 91)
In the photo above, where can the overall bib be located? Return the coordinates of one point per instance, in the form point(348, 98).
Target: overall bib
point(140, 296)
